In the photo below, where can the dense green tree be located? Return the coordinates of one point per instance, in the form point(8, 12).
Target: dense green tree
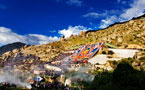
point(124, 77)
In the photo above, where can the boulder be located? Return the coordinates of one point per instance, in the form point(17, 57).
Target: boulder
point(7, 53)
point(119, 40)
point(15, 50)
point(131, 22)
point(134, 46)
point(109, 68)
point(62, 38)
point(142, 63)
point(82, 32)
point(135, 63)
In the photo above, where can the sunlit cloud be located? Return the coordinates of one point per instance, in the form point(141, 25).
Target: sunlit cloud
point(8, 36)
point(72, 30)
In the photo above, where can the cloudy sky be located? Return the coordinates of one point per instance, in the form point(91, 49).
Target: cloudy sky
point(42, 21)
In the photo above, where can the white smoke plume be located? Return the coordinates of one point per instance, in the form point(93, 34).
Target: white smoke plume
point(82, 74)
point(11, 78)
point(49, 67)
point(75, 73)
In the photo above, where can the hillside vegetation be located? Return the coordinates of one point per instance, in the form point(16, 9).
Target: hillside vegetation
point(124, 77)
point(130, 32)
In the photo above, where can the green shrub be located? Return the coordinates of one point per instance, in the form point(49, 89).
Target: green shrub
point(103, 52)
point(142, 58)
point(110, 52)
point(124, 77)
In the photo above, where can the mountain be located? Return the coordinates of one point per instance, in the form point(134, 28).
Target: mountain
point(129, 34)
point(10, 47)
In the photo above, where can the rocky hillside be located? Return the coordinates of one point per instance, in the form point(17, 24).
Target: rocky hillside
point(10, 47)
point(130, 34)
point(120, 34)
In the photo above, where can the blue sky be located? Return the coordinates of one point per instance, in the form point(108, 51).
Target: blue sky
point(42, 21)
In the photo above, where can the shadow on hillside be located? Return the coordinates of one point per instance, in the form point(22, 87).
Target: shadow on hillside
point(10, 47)
point(124, 77)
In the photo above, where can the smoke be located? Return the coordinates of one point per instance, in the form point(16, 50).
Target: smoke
point(11, 78)
point(49, 67)
point(73, 74)
point(82, 74)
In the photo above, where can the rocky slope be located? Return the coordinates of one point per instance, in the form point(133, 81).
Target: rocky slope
point(11, 47)
point(130, 34)
point(120, 34)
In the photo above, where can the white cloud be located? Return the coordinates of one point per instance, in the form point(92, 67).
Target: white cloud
point(94, 15)
point(40, 39)
point(8, 36)
point(110, 20)
point(72, 30)
point(137, 9)
point(77, 3)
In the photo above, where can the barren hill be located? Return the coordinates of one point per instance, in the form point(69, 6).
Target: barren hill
point(121, 34)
